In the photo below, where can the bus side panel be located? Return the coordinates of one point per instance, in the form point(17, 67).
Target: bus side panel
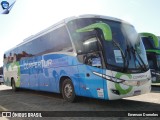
point(58, 66)
point(72, 73)
point(91, 85)
point(26, 73)
point(47, 80)
point(44, 72)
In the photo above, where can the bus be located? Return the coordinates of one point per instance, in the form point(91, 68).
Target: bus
point(88, 55)
point(152, 46)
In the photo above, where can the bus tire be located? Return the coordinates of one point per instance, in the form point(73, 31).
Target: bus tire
point(68, 92)
point(14, 86)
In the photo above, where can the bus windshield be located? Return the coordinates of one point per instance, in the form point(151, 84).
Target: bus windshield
point(124, 52)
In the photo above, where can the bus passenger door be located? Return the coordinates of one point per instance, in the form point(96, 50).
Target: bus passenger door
point(90, 71)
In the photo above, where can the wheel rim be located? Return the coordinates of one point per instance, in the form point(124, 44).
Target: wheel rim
point(68, 90)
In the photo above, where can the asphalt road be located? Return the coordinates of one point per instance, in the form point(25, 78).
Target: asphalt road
point(27, 100)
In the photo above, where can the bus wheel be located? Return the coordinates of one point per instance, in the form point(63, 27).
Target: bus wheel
point(68, 92)
point(14, 85)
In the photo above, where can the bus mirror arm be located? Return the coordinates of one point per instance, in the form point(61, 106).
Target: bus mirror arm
point(107, 33)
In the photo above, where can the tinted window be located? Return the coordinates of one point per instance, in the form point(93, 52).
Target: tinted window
point(152, 62)
point(57, 40)
point(54, 41)
point(148, 43)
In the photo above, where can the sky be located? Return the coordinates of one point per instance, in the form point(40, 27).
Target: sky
point(29, 17)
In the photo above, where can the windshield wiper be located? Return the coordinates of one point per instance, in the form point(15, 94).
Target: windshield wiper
point(127, 52)
point(136, 54)
point(123, 56)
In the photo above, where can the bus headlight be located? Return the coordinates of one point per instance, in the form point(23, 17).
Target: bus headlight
point(117, 80)
point(110, 78)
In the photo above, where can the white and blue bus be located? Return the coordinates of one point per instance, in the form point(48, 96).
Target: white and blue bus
point(90, 55)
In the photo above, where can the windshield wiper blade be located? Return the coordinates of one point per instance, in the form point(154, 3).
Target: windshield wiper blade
point(135, 53)
point(123, 56)
point(128, 55)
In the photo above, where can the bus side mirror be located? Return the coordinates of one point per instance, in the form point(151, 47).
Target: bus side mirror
point(107, 33)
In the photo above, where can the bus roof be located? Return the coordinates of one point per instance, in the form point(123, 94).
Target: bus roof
point(66, 20)
point(94, 16)
point(62, 22)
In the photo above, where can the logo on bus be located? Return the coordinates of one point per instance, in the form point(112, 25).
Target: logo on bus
point(38, 64)
point(139, 76)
